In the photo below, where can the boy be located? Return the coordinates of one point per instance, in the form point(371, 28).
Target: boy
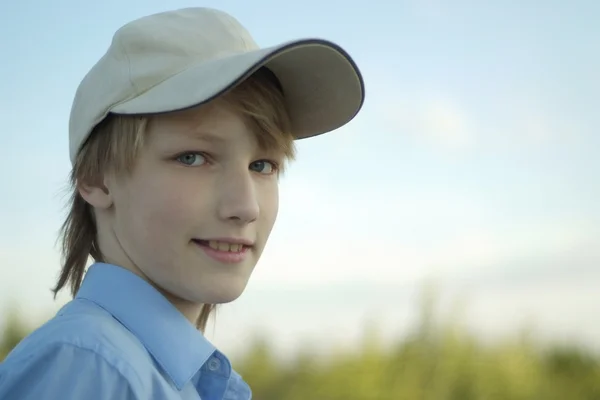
point(177, 138)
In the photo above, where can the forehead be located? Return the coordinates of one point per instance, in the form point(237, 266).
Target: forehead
point(211, 123)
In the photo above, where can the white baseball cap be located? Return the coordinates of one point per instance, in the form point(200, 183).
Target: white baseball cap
point(179, 59)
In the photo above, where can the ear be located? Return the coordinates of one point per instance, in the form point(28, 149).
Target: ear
point(97, 194)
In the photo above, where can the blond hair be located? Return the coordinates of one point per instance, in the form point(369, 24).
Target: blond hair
point(114, 146)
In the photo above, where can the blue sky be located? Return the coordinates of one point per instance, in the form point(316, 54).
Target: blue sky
point(474, 160)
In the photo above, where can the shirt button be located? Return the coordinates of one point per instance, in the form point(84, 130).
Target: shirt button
point(214, 364)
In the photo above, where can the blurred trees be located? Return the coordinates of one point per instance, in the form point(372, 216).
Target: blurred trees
point(435, 362)
point(14, 330)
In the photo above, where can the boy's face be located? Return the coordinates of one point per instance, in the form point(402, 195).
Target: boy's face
point(200, 181)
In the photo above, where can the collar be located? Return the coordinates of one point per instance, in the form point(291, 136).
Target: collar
point(176, 344)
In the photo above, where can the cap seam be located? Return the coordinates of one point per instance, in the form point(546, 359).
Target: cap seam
point(233, 26)
point(128, 63)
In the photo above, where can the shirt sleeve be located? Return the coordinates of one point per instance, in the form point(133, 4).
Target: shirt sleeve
point(66, 372)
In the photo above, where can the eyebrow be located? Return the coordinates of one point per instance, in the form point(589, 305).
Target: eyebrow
point(205, 136)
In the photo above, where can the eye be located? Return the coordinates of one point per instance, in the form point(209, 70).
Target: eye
point(264, 167)
point(192, 159)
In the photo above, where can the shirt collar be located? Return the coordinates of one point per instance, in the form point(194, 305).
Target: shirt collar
point(177, 345)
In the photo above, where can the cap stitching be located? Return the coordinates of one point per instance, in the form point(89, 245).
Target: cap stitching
point(128, 63)
point(233, 25)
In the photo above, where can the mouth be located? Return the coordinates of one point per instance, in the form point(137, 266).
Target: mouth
point(223, 246)
point(225, 251)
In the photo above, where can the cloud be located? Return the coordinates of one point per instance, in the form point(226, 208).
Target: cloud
point(333, 256)
point(457, 121)
point(435, 120)
point(328, 234)
point(524, 122)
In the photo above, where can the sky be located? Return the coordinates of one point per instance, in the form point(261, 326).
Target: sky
point(473, 165)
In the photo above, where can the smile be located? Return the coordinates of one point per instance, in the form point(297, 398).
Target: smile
point(224, 246)
point(224, 251)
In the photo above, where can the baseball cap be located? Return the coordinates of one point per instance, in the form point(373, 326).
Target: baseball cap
point(178, 59)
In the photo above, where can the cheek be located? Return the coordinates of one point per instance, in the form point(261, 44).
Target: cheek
point(270, 204)
point(157, 216)
point(167, 212)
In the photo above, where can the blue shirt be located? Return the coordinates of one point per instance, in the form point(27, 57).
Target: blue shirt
point(119, 338)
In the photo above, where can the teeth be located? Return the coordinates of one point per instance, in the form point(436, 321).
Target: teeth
point(223, 246)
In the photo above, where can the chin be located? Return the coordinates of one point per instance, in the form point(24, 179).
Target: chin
point(219, 293)
point(226, 294)
point(225, 298)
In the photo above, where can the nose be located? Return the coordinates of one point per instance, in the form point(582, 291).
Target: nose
point(238, 200)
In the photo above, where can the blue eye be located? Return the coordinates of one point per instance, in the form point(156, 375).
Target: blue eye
point(263, 167)
point(192, 159)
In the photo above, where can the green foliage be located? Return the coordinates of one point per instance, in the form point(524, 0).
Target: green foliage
point(435, 362)
point(450, 366)
point(14, 331)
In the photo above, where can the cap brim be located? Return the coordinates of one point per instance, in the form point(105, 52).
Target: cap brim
point(322, 85)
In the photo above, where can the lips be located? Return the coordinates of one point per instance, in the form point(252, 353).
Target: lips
point(222, 245)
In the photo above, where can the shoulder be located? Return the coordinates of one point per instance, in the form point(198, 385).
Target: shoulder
point(85, 326)
point(82, 343)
